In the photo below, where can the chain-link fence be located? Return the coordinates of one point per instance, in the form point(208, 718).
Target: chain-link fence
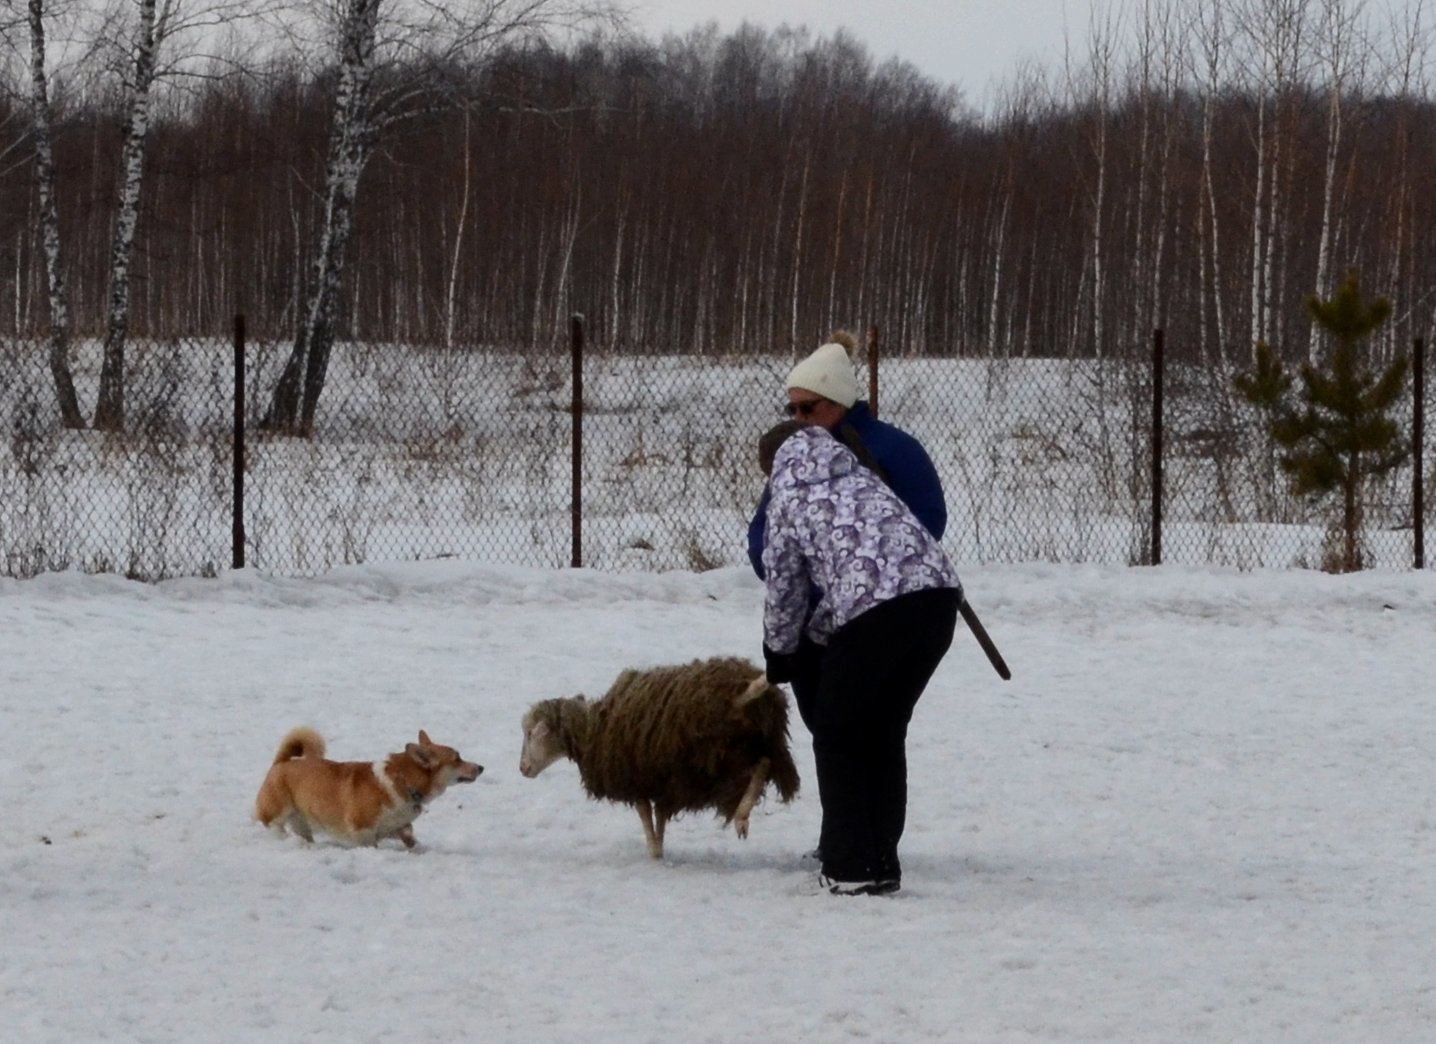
point(422, 452)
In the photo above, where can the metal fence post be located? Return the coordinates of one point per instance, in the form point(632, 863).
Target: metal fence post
point(1418, 433)
point(1159, 365)
point(237, 548)
point(576, 406)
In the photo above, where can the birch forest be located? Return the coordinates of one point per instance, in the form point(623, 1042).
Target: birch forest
point(1199, 166)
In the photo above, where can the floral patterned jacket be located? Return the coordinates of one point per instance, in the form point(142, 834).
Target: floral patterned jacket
point(835, 527)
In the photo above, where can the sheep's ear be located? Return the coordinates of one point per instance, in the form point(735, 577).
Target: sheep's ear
point(419, 753)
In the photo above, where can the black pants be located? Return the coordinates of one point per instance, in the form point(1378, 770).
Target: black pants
point(807, 671)
point(869, 679)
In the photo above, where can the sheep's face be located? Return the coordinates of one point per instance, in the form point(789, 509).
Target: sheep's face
point(541, 747)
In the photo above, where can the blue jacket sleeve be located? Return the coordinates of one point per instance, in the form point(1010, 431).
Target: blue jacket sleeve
point(916, 482)
point(756, 529)
point(906, 465)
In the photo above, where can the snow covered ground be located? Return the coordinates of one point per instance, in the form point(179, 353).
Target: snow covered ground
point(1202, 810)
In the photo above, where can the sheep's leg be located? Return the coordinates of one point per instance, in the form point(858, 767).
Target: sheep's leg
point(756, 784)
point(653, 836)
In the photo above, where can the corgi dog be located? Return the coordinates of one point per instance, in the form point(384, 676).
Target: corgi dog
point(358, 802)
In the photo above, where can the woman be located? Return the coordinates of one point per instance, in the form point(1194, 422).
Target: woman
point(822, 390)
point(887, 600)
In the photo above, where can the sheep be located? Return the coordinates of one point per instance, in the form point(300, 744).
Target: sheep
point(709, 734)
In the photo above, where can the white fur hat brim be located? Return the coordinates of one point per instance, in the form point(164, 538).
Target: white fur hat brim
point(827, 372)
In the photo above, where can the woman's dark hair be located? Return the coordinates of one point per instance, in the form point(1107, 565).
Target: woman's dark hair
point(771, 440)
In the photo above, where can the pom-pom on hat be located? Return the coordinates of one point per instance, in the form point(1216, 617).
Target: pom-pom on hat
point(829, 371)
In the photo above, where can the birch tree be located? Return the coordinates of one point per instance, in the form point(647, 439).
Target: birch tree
point(451, 290)
point(1275, 29)
point(150, 30)
point(56, 294)
point(1409, 79)
point(1157, 76)
point(391, 60)
point(1336, 57)
point(1210, 38)
point(156, 40)
point(1102, 45)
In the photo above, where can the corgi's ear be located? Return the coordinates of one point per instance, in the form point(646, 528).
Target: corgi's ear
point(424, 738)
point(420, 754)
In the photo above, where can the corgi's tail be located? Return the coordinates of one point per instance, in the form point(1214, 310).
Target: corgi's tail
point(302, 742)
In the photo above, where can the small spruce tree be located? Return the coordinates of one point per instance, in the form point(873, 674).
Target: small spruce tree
point(1337, 432)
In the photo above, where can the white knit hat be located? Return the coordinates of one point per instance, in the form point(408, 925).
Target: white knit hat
point(827, 372)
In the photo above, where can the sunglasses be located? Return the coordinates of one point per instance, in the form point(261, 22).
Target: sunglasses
point(806, 408)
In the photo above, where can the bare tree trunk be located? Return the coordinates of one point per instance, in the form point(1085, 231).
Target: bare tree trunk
point(798, 248)
point(862, 304)
point(1102, 49)
point(451, 293)
point(830, 318)
point(995, 342)
point(1412, 45)
point(1258, 321)
point(1277, 28)
point(110, 407)
point(540, 252)
point(1099, 202)
point(615, 282)
point(1351, 516)
point(1139, 271)
point(1169, 34)
point(1337, 24)
point(1323, 250)
point(567, 239)
point(769, 318)
point(639, 322)
point(296, 396)
point(1212, 41)
point(57, 293)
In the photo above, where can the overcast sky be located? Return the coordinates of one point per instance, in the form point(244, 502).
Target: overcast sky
point(970, 43)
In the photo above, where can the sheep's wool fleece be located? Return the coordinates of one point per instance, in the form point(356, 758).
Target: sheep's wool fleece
point(671, 735)
point(827, 372)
